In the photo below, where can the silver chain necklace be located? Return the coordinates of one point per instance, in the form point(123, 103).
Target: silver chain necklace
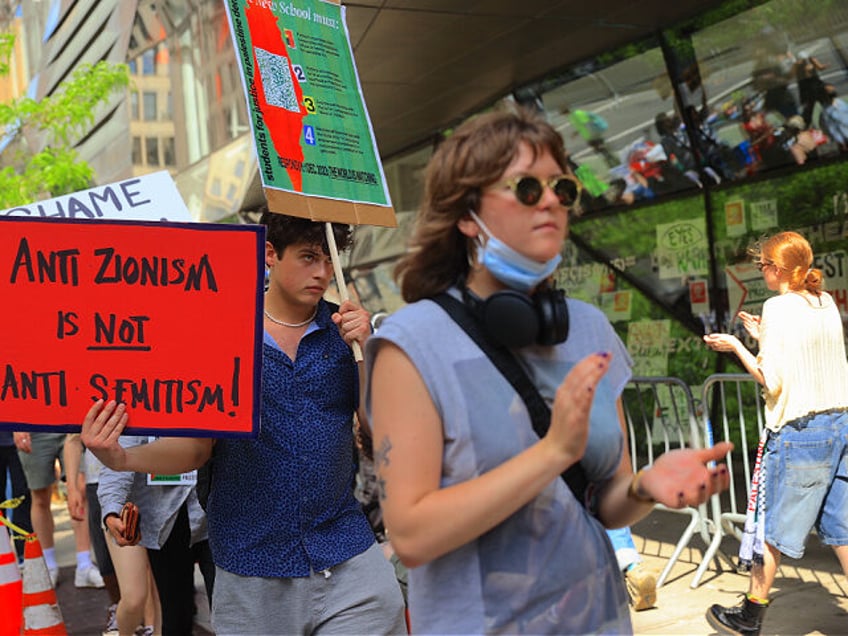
point(291, 324)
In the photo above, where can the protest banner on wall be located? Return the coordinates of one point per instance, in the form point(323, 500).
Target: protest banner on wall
point(682, 248)
point(317, 154)
point(648, 341)
point(165, 317)
point(151, 197)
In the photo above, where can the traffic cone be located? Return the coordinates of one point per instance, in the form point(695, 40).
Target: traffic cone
point(11, 588)
point(41, 609)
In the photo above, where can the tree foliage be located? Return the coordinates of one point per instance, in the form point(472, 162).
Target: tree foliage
point(57, 121)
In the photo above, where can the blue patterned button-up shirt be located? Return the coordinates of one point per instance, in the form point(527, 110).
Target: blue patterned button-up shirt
point(282, 505)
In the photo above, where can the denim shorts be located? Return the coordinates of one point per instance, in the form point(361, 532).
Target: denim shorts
point(806, 482)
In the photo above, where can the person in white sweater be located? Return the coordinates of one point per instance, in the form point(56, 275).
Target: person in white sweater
point(802, 366)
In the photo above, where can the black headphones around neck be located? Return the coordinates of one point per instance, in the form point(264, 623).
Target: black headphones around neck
point(514, 319)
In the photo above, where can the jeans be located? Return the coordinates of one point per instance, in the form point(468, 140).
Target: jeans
point(806, 482)
point(625, 550)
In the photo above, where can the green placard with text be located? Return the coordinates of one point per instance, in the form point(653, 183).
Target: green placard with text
point(311, 127)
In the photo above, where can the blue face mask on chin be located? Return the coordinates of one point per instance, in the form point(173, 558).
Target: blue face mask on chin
point(514, 270)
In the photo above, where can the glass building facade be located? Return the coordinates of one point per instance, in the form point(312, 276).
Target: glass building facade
point(692, 146)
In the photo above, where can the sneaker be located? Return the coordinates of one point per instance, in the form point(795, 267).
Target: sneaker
point(111, 628)
point(54, 576)
point(89, 577)
point(745, 619)
point(144, 630)
point(641, 587)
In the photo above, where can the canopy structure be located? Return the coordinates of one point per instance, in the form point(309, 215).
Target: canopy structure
point(426, 64)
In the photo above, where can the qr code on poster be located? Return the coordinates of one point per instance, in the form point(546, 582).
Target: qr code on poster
point(277, 82)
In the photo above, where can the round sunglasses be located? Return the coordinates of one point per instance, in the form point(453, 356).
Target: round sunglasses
point(528, 189)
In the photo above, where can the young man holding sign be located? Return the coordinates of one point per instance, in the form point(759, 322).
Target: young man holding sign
point(293, 551)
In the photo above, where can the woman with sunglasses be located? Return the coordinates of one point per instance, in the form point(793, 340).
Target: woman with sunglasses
point(472, 497)
point(803, 480)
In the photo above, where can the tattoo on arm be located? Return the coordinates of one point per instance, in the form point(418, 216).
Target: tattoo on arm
point(381, 459)
point(381, 456)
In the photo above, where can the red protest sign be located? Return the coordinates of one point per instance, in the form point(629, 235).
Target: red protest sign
point(164, 317)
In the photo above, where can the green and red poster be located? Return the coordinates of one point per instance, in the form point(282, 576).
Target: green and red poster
point(314, 142)
point(164, 317)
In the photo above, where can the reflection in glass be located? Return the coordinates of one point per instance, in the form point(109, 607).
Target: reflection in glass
point(769, 101)
point(149, 101)
point(134, 105)
point(152, 151)
point(136, 151)
point(169, 155)
point(202, 184)
point(607, 117)
point(148, 62)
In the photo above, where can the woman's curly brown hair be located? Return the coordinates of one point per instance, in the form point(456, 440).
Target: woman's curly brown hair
point(471, 159)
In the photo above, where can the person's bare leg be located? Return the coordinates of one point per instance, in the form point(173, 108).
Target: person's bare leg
point(131, 569)
point(747, 616)
point(153, 609)
point(762, 576)
point(842, 555)
point(42, 517)
point(81, 536)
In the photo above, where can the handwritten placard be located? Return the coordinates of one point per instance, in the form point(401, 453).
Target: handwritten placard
point(162, 316)
point(151, 197)
point(682, 248)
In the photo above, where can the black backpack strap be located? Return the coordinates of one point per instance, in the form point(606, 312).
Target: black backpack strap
point(203, 486)
point(511, 370)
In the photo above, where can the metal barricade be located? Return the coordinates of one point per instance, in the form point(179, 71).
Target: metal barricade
point(661, 415)
point(733, 410)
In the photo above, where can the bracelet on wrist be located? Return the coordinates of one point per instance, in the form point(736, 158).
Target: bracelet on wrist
point(635, 490)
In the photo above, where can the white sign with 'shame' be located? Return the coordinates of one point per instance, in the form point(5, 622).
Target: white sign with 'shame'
point(152, 197)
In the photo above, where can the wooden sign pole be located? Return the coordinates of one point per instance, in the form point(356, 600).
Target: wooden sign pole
point(340, 281)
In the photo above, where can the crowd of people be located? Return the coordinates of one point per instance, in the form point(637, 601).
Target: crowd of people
point(449, 442)
point(787, 114)
point(490, 409)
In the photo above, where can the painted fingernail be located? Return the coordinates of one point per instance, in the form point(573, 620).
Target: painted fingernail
point(723, 470)
point(680, 495)
point(703, 486)
point(604, 354)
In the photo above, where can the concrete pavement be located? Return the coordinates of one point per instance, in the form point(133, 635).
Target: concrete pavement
point(810, 595)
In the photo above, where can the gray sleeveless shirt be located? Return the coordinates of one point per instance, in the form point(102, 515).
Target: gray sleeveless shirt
point(549, 568)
